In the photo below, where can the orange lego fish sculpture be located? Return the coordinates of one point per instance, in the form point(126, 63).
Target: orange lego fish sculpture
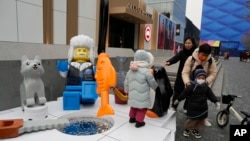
point(105, 78)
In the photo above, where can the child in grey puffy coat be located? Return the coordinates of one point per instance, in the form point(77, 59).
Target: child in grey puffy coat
point(137, 84)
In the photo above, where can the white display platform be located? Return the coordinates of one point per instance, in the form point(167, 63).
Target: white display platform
point(156, 129)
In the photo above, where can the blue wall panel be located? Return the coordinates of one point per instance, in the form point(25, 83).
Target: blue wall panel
point(225, 20)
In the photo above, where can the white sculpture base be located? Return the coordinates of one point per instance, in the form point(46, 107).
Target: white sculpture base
point(36, 112)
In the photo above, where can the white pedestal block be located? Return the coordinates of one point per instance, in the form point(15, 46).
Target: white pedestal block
point(36, 112)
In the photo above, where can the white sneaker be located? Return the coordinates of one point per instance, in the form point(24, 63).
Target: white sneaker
point(186, 133)
point(207, 123)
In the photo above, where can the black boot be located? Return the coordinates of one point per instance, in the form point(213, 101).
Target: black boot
point(139, 124)
point(132, 120)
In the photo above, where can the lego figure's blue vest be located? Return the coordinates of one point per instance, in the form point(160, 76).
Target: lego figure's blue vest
point(75, 76)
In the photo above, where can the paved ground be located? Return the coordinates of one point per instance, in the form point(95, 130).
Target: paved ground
point(236, 81)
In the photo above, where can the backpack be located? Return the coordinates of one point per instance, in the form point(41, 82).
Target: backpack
point(198, 66)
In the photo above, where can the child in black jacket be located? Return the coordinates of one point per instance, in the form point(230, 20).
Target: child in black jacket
point(196, 96)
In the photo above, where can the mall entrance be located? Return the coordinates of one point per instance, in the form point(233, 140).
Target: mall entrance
point(121, 33)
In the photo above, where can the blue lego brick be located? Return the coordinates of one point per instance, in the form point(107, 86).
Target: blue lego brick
point(71, 100)
point(73, 88)
point(89, 94)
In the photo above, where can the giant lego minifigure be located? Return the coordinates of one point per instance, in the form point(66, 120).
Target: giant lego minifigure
point(80, 66)
point(79, 73)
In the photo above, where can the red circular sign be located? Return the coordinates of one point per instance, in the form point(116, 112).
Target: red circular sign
point(148, 33)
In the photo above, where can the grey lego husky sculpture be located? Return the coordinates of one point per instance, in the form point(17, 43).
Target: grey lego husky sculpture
point(32, 88)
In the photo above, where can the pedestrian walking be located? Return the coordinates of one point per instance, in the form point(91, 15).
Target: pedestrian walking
point(200, 57)
point(181, 56)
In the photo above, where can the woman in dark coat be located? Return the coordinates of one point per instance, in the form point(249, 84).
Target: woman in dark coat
point(188, 49)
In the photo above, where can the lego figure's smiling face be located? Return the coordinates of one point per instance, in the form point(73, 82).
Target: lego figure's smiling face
point(81, 54)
